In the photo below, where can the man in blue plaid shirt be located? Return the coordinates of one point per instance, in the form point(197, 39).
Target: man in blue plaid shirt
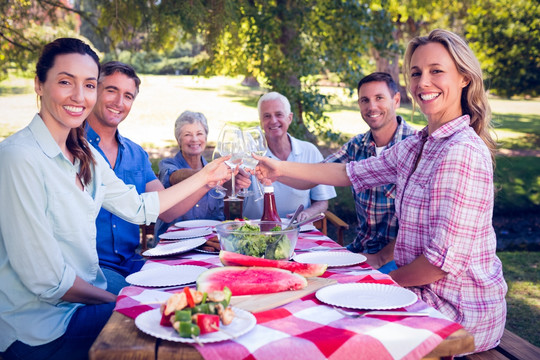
point(378, 99)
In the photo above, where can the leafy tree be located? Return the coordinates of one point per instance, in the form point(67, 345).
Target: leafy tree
point(288, 45)
point(505, 35)
point(412, 18)
point(25, 26)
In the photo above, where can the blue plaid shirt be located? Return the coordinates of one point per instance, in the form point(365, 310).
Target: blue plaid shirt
point(377, 222)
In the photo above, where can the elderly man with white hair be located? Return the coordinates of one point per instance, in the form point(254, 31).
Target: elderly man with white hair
point(275, 117)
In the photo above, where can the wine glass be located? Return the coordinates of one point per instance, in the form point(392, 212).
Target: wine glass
point(248, 162)
point(254, 142)
point(258, 137)
point(218, 191)
point(232, 143)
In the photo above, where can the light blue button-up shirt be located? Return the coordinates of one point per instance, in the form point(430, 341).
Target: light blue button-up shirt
point(48, 232)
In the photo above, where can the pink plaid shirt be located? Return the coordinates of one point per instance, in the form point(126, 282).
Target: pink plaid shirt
point(444, 211)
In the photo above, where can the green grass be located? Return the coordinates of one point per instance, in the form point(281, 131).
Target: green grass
point(522, 274)
point(517, 180)
point(16, 86)
point(221, 99)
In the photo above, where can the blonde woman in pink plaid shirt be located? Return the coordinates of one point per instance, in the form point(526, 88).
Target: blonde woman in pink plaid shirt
point(445, 248)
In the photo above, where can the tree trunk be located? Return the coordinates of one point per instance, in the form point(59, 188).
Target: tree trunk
point(251, 81)
point(290, 48)
point(390, 64)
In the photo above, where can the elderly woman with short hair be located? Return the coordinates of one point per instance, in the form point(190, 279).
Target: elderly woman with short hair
point(191, 132)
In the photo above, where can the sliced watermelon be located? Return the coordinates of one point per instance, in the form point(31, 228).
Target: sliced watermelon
point(249, 280)
point(229, 258)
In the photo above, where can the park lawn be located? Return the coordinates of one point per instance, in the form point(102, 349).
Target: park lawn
point(522, 273)
point(224, 99)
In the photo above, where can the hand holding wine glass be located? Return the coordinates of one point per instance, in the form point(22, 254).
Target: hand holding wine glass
point(218, 191)
point(231, 143)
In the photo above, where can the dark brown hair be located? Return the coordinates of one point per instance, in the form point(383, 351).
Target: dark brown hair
point(379, 76)
point(112, 67)
point(76, 140)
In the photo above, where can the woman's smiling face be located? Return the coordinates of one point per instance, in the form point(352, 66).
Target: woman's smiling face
point(193, 139)
point(436, 83)
point(69, 92)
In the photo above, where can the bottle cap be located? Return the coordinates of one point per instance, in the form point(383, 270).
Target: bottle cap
point(268, 189)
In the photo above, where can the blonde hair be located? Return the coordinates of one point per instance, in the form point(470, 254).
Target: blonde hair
point(474, 100)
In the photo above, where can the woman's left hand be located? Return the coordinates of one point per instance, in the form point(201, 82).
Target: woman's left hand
point(267, 170)
point(217, 172)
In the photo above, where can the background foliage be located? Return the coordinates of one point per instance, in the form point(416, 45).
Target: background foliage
point(505, 35)
point(289, 46)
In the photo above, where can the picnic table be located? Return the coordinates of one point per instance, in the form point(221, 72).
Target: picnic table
point(301, 328)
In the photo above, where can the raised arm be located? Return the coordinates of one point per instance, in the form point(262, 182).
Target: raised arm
point(214, 172)
point(181, 175)
point(181, 207)
point(301, 175)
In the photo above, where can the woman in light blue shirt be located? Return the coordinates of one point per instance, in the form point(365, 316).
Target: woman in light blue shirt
point(53, 298)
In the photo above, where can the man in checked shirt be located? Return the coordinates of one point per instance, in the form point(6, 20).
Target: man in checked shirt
point(378, 99)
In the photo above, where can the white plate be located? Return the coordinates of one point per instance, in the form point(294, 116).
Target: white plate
point(166, 276)
point(186, 234)
point(332, 258)
point(307, 227)
point(148, 322)
point(197, 223)
point(367, 296)
point(175, 248)
point(206, 251)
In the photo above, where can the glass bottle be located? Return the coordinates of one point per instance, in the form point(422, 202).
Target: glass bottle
point(270, 212)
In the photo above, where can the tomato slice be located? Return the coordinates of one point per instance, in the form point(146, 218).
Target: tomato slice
point(189, 297)
point(165, 320)
point(208, 323)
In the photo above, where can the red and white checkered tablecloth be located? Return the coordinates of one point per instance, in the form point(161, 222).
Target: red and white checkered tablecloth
point(307, 328)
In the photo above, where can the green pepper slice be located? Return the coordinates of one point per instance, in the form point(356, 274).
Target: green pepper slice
point(200, 309)
point(187, 330)
point(182, 315)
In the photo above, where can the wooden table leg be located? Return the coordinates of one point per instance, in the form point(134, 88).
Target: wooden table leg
point(169, 350)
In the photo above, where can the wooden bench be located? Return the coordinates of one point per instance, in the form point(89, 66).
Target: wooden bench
point(511, 347)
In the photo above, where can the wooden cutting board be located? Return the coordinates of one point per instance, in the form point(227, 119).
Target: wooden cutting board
point(262, 302)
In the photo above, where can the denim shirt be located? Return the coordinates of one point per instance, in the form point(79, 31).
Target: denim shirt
point(206, 208)
point(118, 239)
point(48, 232)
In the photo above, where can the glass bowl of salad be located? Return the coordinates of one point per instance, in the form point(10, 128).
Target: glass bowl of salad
point(264, 239)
